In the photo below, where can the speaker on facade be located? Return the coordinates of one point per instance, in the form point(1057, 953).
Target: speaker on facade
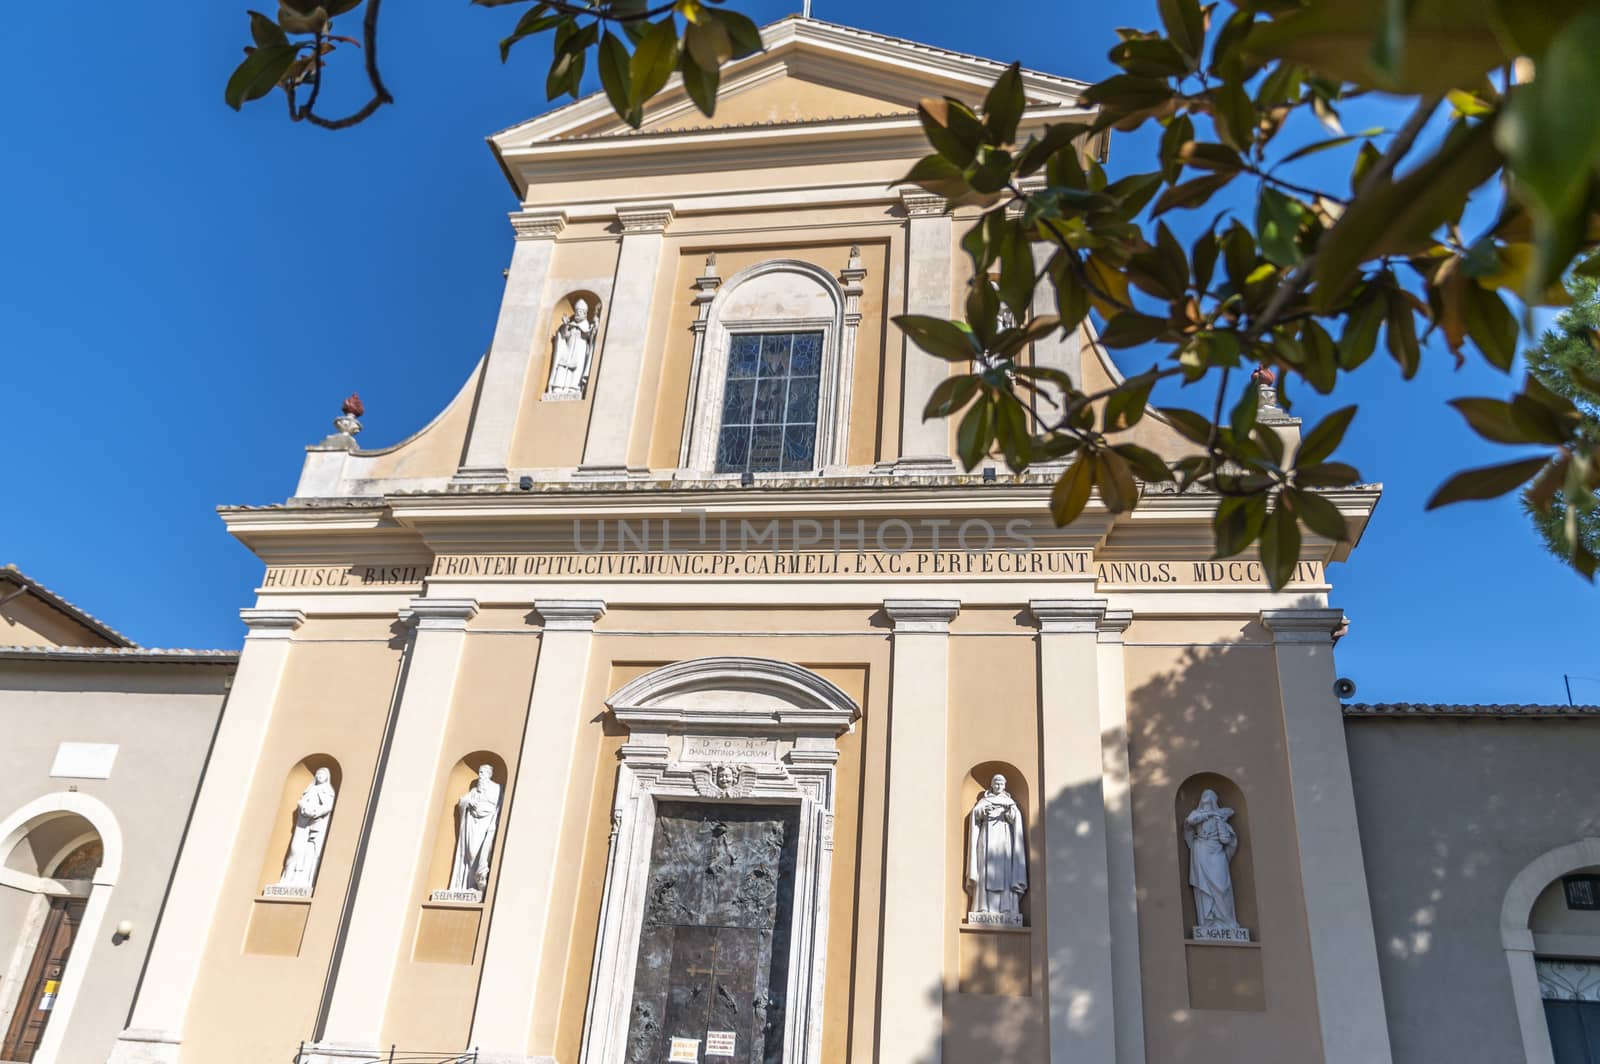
point(1344, 688)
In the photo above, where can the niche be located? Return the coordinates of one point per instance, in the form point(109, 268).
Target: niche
point(279, 913)
point(1222, 973)
point(273, 863)
point(447, 930)
point(574, 336)
point(995, 958)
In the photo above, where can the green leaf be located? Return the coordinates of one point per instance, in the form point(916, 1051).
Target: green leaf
point(1192, 426)
point(1243, 417)
point(943, 178)
point(1487, 482)
point(1360, 336)
point(944, 124)
point(1280, 546)
point(1491, 419)
point(261, 70)
point(1551, 144)
point(1492, 326)
point(976, 433)
point(951, 395)
point(1130, 328)
point(1401, 335)
point(939, 337)
point(1237, 523)
point(1324, 145)
point(1071, 493)
point(1003, 106)
point(1185, 24)
point(1326, 475)
point(744, 34)
point(534, 20)
point(1146, 463)
point(1114, 477)
point(708, 41)
point(700, 83)
point(266, 32)
point(655, 57)
point(1151, 57)
point(616, 80)
point(1192, 193)
point(1277, 225)
point(1319, 515)
point(1322, 441)
point(1056, 137)
point(1235, 115)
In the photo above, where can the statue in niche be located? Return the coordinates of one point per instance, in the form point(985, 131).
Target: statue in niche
point(569, 369)
point(476, 814)
point(311, 815)
point(997, 858)
point(1212, 843)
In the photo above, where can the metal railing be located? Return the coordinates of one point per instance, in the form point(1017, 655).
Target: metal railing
point(407, 1056)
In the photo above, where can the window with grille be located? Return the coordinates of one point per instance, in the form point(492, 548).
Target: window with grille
point(769, 407)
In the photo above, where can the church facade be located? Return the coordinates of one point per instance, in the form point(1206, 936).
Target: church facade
point(674, 695)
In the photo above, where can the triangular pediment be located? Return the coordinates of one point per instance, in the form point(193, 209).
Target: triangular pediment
point(809, 72)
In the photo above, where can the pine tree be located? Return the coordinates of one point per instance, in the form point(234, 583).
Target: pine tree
point(1564, 355)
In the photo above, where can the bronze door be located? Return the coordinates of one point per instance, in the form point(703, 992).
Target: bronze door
point(713, 963)
point(42, 985)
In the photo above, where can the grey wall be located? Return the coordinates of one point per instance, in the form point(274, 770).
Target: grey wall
point(162, 718)
point(1450, 812)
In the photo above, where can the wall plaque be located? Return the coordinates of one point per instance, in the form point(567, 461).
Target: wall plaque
point(685, 1049)
point(720, 1043)
point(727, 748)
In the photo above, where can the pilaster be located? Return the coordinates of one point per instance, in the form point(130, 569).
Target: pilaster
point(911, 1014)
point(511, 353)
point(155, 1027)
point(925, 445)
point(514, 959)
point(1344, 956)
point(620, 396)
point(386, 872)
point(1080, 967)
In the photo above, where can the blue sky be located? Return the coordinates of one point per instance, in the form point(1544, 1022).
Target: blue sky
point(186, 294)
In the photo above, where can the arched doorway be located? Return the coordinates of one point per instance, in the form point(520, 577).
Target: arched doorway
point(58, 862)
point(1550, 929)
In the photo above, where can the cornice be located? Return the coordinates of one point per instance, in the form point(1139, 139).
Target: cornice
point(537, 224)
point(122, 655)
point(921, 615)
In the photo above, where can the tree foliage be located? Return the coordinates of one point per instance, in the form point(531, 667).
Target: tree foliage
point(1565, 357)
point(1310, 285)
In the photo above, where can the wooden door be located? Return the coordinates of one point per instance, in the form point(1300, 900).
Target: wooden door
point(42, 985)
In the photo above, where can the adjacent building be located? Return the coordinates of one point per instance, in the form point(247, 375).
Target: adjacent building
point(102, 751)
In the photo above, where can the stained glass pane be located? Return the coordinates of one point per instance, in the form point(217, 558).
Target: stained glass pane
point(743, 355)
point(766, 448)
point(733, 450)
point(739, 402)
point(799, 446)
point(802, 401)
point(775, 354)
point(769, 401)
point(807, 361)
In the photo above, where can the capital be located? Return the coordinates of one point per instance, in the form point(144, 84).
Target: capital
point(1076, 616)
point(538, 225)
point(648, 218)
point(921, 615)
point(920, 204)
point(270, 623)
point(442, 614)
point(1305, 625)
point(569, 615)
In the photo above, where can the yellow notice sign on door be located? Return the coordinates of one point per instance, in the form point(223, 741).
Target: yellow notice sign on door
point(685, 1049)
point(52, 987)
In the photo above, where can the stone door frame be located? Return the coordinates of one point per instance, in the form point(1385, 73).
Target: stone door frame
point(774, 728)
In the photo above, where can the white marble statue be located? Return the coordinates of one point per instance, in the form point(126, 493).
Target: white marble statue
point(476, 815)
point(311, 815)
point(997, 857)
point(569, 371)
point(1212, 844)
